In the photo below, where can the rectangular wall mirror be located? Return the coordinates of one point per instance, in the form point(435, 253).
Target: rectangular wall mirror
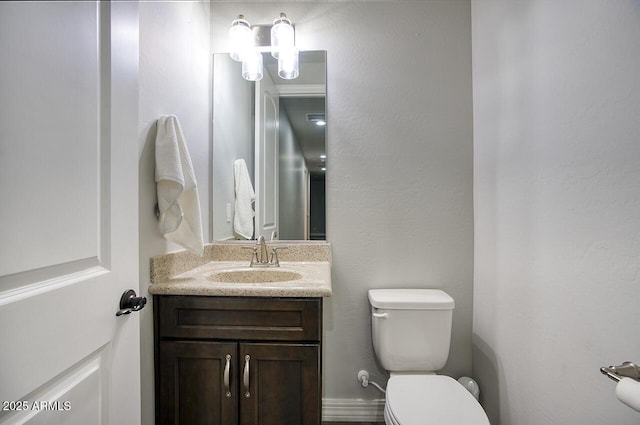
point(277, 127)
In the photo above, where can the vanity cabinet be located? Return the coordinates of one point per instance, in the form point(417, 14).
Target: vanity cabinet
point(238, 361)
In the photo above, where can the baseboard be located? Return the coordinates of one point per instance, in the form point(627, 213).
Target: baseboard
point(352, 410)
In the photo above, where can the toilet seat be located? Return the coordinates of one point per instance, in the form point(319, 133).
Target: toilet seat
point(430, 400)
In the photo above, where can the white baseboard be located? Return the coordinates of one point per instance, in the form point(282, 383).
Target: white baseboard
point(352, 410)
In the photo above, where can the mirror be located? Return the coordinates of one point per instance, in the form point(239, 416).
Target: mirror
point(273, 125)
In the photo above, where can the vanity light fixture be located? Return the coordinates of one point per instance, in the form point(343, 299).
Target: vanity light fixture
point(252, 66)
point(240, 38)
point(247, 42)
point(282, 36)
point(288, 65)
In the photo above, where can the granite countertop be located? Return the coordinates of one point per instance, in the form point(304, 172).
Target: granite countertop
point(305, 271)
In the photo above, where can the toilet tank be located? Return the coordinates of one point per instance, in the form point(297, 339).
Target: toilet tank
point(411, 328)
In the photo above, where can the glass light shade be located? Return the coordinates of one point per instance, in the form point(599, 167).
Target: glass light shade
point(240, 38)
point(288, 64)
point(282, 35)
point(252, 66)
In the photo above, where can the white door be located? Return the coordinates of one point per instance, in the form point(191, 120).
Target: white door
point(266, 161)
point(68, 212)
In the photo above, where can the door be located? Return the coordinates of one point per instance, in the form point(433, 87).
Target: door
point(283, 382)
point(68, 212)
point(198, 383)
point(266, 158)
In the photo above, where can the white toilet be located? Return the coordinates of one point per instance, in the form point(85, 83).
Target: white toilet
point(411, 330)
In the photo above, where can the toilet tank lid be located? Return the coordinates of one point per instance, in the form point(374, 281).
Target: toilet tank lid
point(411, 299)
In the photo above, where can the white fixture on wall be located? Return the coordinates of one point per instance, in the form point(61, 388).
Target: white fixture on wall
point(247, 42)
point(252, 68)
point(240, 38)
point(282, 36)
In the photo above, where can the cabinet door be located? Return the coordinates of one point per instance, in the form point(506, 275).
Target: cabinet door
point(192, 384)
point(283, 384)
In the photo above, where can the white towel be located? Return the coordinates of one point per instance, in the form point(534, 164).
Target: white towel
point(180, 220)
point(245, 196)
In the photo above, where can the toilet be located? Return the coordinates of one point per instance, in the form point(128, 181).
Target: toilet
point(411, 332)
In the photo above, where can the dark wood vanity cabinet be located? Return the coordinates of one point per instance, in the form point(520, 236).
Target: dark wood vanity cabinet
point(238, 361)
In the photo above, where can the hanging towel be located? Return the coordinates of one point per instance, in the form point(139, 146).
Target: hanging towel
point(245, 196)
point(178, 201)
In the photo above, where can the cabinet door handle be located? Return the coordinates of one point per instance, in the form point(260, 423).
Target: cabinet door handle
point(227, 371)
point(245, 376)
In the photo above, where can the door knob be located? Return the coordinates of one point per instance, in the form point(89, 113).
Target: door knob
point(130, 302)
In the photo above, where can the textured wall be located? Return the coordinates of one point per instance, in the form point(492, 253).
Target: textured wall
point(556, 93)
point(174, 79)
point(399, 179)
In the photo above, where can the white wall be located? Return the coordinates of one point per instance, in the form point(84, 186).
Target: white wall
point(174, 79)
point(399, 182)
point(556, 108)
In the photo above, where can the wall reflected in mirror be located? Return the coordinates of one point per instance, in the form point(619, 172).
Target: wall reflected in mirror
point(278, 128)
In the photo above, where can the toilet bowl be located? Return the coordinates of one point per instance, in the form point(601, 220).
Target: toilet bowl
point(430, 399)
point(411, 333)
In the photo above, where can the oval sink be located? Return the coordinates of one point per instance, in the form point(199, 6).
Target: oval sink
point(254, 276)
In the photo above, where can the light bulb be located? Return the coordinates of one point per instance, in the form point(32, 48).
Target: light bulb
point(252, 66)
point(240, 38)
point(288, 64)
point(282, 35)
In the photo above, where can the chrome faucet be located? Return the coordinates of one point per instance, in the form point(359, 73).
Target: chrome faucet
point(261, 244)
point(261, 257)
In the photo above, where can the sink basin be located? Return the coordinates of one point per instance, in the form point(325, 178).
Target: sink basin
point(237, 279)
point(254, 276)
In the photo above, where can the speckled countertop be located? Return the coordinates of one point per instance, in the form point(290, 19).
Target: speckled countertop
point(306, 266)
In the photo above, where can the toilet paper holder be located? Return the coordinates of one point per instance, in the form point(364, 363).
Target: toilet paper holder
point(625, 370)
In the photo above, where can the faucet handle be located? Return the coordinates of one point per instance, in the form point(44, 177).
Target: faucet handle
point(254, 255)
point(274, 255)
